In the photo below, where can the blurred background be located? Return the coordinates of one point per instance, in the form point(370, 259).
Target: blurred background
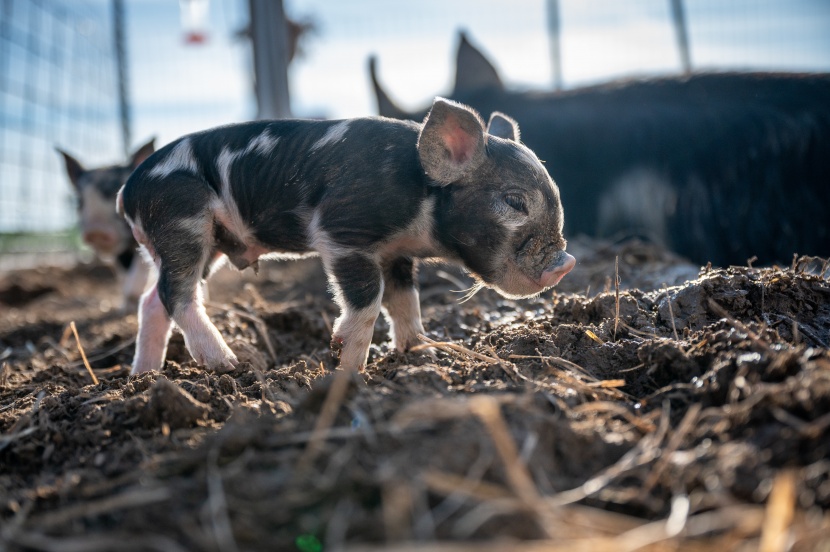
point(99, 77)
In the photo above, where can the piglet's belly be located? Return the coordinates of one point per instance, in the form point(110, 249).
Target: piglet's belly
point(248, 255)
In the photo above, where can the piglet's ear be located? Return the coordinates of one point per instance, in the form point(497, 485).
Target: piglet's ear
point(142, 153)
point(503, 126)
point(451, 144)
point(74, 169)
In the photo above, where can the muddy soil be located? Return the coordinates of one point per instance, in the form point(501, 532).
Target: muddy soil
point(685, 408)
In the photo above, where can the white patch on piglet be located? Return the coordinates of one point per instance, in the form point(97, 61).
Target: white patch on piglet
point(139, 234)
point(223, 167)
point(416, 239)
point(180, 158)
point(322, 243)
point(227, 211)
point(335, 133)
point(198, 227)
point(263, 144)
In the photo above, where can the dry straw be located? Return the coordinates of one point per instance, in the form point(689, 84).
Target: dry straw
point(83, 354)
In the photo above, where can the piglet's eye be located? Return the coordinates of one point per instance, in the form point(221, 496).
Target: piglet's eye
point(516, 201)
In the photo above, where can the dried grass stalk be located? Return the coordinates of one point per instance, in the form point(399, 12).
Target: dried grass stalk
point(489, 412)
point(450, 347)
point(671, 315)
point(616, 295)
point(83, 354)
point(779, 514)
point(594, 337)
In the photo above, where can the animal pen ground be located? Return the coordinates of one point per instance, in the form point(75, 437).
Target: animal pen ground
point(645, 403)
point(681, 409)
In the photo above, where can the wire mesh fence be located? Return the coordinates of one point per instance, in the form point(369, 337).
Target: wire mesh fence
point(57, 89)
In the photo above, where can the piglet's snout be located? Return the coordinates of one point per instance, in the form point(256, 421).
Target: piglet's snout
point(561, 265)
point(100, 240)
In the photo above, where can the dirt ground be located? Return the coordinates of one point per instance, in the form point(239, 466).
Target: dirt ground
point(687, 410)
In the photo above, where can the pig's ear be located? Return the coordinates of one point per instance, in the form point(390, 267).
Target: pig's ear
point(473, 71)
point(503, 126)
point(451, 144)
point(386, 107)
point(142, 153)
point(74, 169)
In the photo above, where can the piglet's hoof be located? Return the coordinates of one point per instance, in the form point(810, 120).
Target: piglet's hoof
point(225, 365)
point(142, 367)
point(221, 363)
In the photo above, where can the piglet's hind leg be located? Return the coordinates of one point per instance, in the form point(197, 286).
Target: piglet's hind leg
point(153, 333)
point(181, 227)
point(181, 291)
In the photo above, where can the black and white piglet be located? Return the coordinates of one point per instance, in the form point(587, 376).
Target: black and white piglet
point(370, 196)
point(101, 227)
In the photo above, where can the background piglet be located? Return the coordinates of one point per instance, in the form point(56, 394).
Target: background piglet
point(101, 227)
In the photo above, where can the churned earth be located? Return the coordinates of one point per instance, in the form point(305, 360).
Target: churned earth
point(684, 408)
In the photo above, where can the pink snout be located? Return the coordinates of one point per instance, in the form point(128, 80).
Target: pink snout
point(555, 273)
point(100, 240)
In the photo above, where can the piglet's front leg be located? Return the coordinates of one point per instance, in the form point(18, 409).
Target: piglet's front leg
point(358, 285)
point(400, 300)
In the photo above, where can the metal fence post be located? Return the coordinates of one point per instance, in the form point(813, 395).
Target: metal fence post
point(123, 78)
point(554, 36)
point(269, 38)
point(679, 17)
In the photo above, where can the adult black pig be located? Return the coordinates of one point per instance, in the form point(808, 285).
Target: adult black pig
point(718, 167)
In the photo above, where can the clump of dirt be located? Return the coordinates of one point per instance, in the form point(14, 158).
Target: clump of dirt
point(685, 407)
point(167, 403)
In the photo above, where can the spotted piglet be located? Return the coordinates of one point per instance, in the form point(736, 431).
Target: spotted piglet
point(370, 196)
point(101, 227)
